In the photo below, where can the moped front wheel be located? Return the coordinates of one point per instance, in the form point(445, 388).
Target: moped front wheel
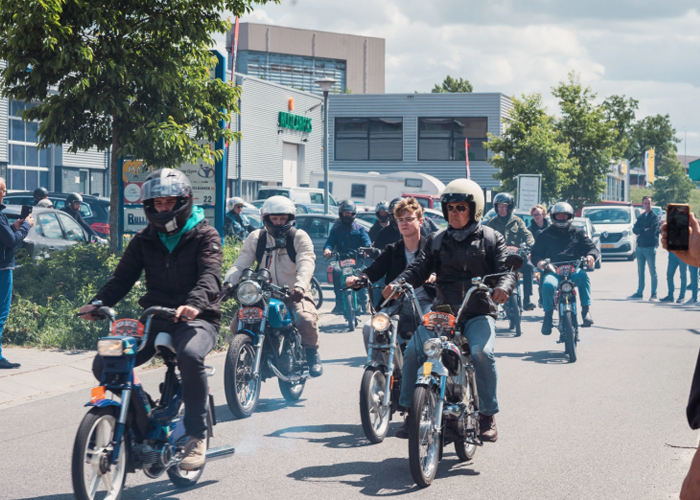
point(423, 438)
point(241, 385)
point(92, 475)
point(569, 335)
point(375, 417)
point(316, 292)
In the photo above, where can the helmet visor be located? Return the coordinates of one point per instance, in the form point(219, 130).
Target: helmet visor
point(163, 188)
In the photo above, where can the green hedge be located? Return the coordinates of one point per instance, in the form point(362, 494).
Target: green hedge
point(47, 293)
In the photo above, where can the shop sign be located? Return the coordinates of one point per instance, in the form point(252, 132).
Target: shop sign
point(135, 220)
point(294, 122)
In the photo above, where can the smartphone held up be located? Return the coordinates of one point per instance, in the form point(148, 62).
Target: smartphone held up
point(677, 226)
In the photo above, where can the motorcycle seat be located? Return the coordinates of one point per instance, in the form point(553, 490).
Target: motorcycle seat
point(164, 341)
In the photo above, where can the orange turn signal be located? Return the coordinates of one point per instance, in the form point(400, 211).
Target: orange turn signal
point(97, 393)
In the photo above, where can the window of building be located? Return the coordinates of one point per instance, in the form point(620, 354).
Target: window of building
point(27, 164)
point(358, 190)
point(442, 139)
point(364, 139)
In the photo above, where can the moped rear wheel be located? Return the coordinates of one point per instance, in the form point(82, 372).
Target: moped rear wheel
point(241, 385)
point(375, 418)
point(91, 474)
point(423, 438)
point(183, 478)
point(350, 310)
point(569, 335)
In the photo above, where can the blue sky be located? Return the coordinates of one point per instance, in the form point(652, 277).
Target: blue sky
point(648, 50)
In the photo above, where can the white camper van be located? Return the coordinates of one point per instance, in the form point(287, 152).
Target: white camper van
point(372, 187)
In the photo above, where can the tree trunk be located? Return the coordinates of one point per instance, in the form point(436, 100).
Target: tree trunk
point(114, 192)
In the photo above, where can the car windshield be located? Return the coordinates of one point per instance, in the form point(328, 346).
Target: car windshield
point(264, 194)
point(607, 215)
point(582, 225)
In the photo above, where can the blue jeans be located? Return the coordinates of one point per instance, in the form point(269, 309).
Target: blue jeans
point(646, 255)
point(551, 282)
point(481, 333)
point(673, 264)
point(5, 299)
point(693, 272)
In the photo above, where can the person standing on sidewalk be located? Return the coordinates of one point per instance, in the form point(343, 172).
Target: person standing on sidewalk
point(11, 237)
point(673, 264)
point(647, 229)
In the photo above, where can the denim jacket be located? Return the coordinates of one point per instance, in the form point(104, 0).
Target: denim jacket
point(10, 240)
point(345, 238)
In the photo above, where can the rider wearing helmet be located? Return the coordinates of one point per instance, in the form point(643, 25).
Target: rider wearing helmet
point(382, 212)
point(72, 208)
point(288, 253)
point(40, 193)
point(463, 251)
point(561, 242)
point(515, 233)
point(391, 233)
point(345, 236)
point(180, 254)
point(236, 224)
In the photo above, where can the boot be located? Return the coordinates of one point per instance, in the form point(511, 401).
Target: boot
point(6, 364)
point(195, 453)
point(314, 362)
point(402, 432)
point(586, 317)
point(487, 428)
point(528, 306)
point(547, 324)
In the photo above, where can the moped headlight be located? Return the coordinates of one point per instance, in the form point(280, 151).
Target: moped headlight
point(381, 322)
point(432, 348)
point(110, 347)
point(249, 292)
point(567, 287)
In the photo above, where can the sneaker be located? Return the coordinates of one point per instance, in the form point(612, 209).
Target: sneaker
point(654, 298)
point(667, 298)
point(195, 453)
point(6, 364)
point(529, 306)
point(586, 317)
point(680, 300)
point(697, 303)
point(636, 296)
point(402, 432)
point(314, 362)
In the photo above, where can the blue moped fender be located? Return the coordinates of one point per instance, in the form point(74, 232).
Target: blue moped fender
point(247, 332)
point(103, 403)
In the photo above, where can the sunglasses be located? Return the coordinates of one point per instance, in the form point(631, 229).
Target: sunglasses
point(238, 206)
point(459, 208)
point(407, 220)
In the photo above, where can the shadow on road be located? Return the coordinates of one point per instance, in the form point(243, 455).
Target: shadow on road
point(343, 435)
point(223, 414)
point(356, 362)
point(542, 357)
point(160, 490)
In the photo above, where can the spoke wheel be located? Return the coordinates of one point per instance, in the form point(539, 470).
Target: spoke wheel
point(92, 477)
point(464, 449)
point(569, 336)
point(375, 418)
point(241, 386)
point(423, 438)
point(316, 293)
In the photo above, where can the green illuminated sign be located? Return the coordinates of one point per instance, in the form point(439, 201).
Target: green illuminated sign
point(294, 122)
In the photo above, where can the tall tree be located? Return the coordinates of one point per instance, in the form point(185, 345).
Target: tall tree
point(590, 136)
point(622, 112)
point(673, 184)
point(531, 145)
point(652, 132)
point(453, 85)
point(132, 76)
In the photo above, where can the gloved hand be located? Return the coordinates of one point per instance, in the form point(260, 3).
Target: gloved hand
point(296, 294)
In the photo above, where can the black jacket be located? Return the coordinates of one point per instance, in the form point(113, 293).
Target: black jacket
point(190, 275)
point(647, 228)
point(692, 411)
point(536, 230)
point(456, 263)
point(392, 262)
point(79, 219)
point(374, 230)
point(561, 246)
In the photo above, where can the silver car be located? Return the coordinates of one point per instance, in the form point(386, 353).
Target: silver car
point(587, 226)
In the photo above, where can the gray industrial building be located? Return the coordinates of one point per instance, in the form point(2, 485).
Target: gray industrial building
point(296, 58)
point(415, 132)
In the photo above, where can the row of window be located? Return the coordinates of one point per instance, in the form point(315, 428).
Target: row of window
point(381, 139)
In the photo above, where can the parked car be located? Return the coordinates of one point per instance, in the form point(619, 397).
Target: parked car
point(316, 208)
point(94, 209)
point(53, 230)
point(296, 194)
point(253, 215)
point(614, 223)
point(318, 226)
point(436, 216)
point(585, 224)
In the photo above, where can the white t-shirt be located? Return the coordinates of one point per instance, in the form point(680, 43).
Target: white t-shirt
point(420, 292)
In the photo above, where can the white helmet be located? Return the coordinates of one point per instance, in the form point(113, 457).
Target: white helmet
point(278, 205)
point(232, 202)
point(464, 190)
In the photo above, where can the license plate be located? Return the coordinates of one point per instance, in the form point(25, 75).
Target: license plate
point(427, 369)
point(607, 246)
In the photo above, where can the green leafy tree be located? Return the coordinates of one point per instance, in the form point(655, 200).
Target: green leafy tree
point(622, 112)
point(452, 85)
point(591, 137)
point(531, 145)
point(652, 132)
point(673, 184)
point(131, 76)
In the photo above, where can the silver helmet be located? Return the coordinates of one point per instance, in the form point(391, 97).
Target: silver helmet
point(382, 206)
point(562, 207)
point(166, 183)
point(278, 205)
point(232, 202)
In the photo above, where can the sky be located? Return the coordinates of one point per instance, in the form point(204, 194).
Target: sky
point(648, 50)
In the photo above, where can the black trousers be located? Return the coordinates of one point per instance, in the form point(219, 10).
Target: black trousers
point(193, 340)
point(527, 271)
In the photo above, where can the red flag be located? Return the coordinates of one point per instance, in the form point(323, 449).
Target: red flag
point(466, 155)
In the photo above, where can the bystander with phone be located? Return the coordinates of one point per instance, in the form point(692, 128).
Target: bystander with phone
point(11, 237)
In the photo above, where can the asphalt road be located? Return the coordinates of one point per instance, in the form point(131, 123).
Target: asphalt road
point(610, 426)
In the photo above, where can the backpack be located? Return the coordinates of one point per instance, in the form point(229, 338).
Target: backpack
point(262, 242)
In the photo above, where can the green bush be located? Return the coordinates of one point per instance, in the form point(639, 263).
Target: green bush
point(48, 292)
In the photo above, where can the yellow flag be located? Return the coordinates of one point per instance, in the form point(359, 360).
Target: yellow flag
point(649, 166)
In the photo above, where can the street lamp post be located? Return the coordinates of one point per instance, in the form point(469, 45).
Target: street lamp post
point(326, 84)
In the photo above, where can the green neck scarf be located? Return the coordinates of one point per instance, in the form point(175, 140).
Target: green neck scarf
point(171, 241)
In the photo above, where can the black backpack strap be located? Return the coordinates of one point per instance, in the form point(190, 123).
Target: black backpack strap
point(437, 242)
point(260, 249)
point(291, 251)
point(490, 239)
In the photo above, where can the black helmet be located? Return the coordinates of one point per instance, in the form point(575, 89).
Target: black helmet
point(562, 208)
point(505, 198)
point(392, 206)
point(464, 190)
point(165, 183)
point(72, 197)
point(382, 206)
point(278, 205)
point(40, 193)
point(347, 206)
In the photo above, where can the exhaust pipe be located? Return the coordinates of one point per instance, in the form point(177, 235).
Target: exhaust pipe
point(285, 378)
point(220, 452)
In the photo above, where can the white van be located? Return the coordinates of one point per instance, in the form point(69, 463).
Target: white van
point(614, 223)
point(299, 195)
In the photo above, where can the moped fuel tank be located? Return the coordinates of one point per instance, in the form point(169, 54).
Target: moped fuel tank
point(278, 315)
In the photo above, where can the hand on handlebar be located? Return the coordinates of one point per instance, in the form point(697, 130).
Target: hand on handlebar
point(85, 311)
point(541, 264)
point(590, 261)
point(389, 290)
point(185, 313)
point(499, 295)
point(296, 294)
point(327, 253)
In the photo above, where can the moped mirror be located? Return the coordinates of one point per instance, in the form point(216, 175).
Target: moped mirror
point(514, 262)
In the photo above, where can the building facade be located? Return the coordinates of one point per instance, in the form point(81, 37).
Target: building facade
point(415, 132)
point(297, 58)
